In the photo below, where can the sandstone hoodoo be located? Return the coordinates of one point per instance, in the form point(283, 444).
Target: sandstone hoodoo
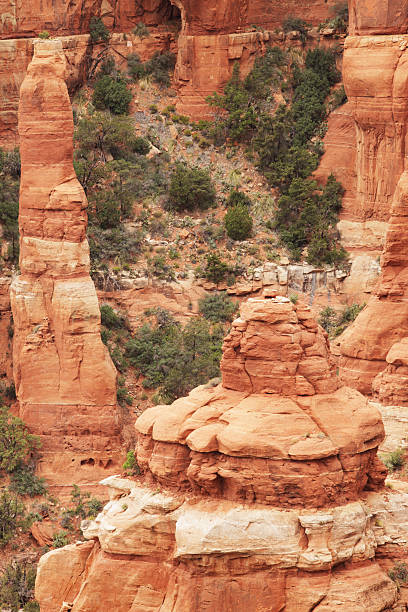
point(64, 377)
point(263, 493)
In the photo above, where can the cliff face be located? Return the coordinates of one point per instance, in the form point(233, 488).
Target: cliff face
point(218, 34)
point(253, 494)
point(65, 380)
point(379, 107)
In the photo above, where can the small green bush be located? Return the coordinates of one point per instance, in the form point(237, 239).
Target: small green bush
point(111, 319)
point(17, 587)
point(216, 270)
point(238, 198)
point(218, 307)
point(131, 466)
point(238, 222)
point(399, 573)
point(190, 188)
point(12, 512)
point(44, 35)
point(395, 461)
point(295, 24)
point(60, 539)
point(136, 67)
point(141, 30)
point(16, 443)
point(113, 94)
point(98, 30)
point(25, 482)
point(159, 66)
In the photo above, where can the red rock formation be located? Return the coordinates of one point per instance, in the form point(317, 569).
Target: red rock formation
point(65, 380)
point(366, 344)
point(252, 493)
point(219, 35)
point(379, 106)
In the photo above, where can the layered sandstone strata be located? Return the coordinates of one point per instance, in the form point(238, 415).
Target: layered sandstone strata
point(374, 344)
point(253, 494)
point(64, 377)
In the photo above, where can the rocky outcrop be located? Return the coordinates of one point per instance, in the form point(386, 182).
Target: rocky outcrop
point(263, 493)
point(27, 19)
point(219, 34)
point(64, 377)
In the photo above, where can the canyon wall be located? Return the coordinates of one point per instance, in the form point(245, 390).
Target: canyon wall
point(262, 493)
point(213, 36)
point(64, 377)
point(376, 82)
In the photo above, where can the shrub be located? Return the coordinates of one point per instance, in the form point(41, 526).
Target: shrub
point(98, 30)
point(136, 67)
point(111, 319)
point(123, 396)
point(44, 35)
point(16, 443)
point(60, 539)
point(238, 222)
point(25, 482)
point(131, 466)
point(159, 67)
point(174, 359)
point(11, 514)
point(399, 573)
point(238, 198)
point(395, 460)
point(295, 24)
point(141, 146)
point(190, 188)
point(141, 30)
point(216, 270)
point(113, 94)
point(17, 587)
point(218, 308)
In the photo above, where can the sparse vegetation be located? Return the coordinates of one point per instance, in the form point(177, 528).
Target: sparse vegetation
point(336, 322)
point(98, 30)
point(399, 573)
point(218, 308)
point(17, 587)
point(172, 358)
point(190, 188)
point(238, 222)
point(395, 461)
point(131, 466)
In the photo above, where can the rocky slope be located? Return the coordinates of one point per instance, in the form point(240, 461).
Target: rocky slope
point(253, 494)
point(65, 380)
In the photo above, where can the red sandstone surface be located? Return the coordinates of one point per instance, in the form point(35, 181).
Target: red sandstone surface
point(254, 494)
point(64, 377)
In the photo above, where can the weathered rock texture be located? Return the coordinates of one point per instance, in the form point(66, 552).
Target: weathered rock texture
point(251, 496)
point(216, 35)
point(65, 380)
point(213, 34)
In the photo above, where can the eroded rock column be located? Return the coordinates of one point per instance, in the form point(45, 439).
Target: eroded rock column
point(376, 80)
point(65, 380)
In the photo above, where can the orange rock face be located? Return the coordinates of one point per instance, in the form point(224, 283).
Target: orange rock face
point(371, 348)
point(65, 380)
point(251, 495)
point(219, 34)
point(374, 342)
